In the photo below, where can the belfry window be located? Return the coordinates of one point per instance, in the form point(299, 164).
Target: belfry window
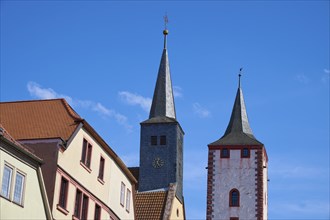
point(234, 198)
point(224, 153)
point(163, 140)
point(245, 153)
point(153, 140)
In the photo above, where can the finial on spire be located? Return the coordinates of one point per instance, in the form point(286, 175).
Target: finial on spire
point(165, 32)
point(239, 77)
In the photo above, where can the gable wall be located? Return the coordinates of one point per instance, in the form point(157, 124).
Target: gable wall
point(33, 206)
point(106, 192)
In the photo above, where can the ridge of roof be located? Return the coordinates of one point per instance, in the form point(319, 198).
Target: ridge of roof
point(163, 98)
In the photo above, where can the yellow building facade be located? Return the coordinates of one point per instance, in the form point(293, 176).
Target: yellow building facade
point(23, 194)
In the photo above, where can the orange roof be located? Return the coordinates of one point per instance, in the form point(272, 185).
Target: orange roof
point(150, 205)
point(22, 148)
point(45, 119)
point(39, 119)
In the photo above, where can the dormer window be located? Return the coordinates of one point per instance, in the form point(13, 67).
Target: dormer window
point(224, 153)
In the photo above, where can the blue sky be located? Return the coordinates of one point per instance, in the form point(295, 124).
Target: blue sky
point(103, 57)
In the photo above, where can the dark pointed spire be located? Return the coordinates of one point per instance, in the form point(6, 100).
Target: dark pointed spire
point(238, 130)
point(239, 121)
point(163, 99)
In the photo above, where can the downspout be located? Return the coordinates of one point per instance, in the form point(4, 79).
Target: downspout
point(44, 194)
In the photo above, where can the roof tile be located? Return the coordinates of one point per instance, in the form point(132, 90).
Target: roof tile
point(39, 119)
point(150, 205)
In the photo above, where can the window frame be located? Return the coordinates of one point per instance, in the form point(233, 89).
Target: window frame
point(22, 189)
point(101, 169)
point(153, 140)
point(84, 206)
point(248, 152)
point(122, 194)
point(63, 192)
point(231, 201)
point(97, 212)
point(223, 155)
point(9, 186)
point(128, 200)
point(78, 204)
point(86, 154)
point(163, 140)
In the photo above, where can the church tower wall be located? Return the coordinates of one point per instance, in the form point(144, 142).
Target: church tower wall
point(237, 171)
point(169, 170)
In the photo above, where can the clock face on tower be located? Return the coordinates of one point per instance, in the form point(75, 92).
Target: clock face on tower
point(157, 162)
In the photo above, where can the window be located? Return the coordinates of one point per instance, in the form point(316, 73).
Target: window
point(233, 218)
point(245, 153)
point(153, 140)
point(84, 212)
point(122, 194)
point(163, 140)
point(19, 187)
point(224, 153)
point(234, 198)
point(86, 153)
point(63, 192)
point(6, 181)
point(128, 200)
point(77, 205)
point(101, 169)
point(97, 213)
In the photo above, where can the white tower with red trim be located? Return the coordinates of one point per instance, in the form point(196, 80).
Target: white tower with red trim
point(237, 171)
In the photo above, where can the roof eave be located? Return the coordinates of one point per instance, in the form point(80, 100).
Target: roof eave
point(109, 150)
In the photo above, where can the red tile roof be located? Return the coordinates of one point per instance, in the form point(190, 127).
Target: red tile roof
point(39, 119)
point(150, 205)
point(22, 148)
point(46, 119)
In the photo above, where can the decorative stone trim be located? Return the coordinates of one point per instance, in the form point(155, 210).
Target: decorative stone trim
point(210, 181)
point(259, 184)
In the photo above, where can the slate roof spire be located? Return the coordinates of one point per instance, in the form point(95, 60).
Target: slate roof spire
point(163, 99)
point(238, 131)
point(239, 121)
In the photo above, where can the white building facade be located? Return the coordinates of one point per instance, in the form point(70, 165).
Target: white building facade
point(237, 171)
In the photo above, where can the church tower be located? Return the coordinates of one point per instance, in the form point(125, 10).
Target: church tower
point(237, 170)
point(161, 145)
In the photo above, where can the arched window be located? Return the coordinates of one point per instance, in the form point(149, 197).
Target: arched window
point(234, 198)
